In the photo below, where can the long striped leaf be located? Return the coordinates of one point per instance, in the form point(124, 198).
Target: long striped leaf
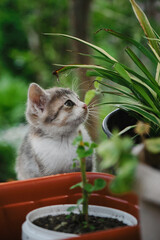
point(138, 62)
point(143, 49)
point(94, 56)
point(143, 20)
point(130, 95)
point(115, 77)
point(71, 66)
point(123, 73)
point(158, 74)
point(98, 49)
point(145, 95)
point(147, 115)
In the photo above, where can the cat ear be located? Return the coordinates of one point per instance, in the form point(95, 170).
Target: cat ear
point(37, 98)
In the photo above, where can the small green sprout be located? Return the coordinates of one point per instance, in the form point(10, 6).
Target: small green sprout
point(85, 149)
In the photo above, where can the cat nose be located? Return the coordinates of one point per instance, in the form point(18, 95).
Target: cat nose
point(84, 106)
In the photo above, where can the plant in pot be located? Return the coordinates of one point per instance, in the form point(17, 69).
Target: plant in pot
point(122, 154)
point(139, 89)
point(54, 222)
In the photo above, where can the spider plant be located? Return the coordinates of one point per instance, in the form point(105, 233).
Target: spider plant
point(139, 89)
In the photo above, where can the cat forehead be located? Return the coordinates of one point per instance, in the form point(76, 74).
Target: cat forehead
point(57, 93)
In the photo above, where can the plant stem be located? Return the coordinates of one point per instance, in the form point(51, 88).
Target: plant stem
point(84, 192)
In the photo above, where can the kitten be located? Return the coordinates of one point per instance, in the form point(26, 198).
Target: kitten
point(55, 116)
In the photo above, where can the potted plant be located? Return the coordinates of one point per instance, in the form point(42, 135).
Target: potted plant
point(140, 90)
point(40, 222)
point(141, 176)
point(18, 198)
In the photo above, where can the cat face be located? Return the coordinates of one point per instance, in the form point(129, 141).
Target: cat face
point(57, 109)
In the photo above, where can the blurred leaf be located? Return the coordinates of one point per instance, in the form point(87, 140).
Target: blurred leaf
point(76, 185)
point(93, 145)
point(77, 140)
point(98, 49)
point(7, 162)
point(79, 201)
point(82, 152)
point(99, 184)
point(124, 180)
point(71, 209)
point(89, 187)
point(153, 145)
point(90, 94)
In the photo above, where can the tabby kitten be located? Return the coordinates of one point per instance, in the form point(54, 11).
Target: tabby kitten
point(55, 116)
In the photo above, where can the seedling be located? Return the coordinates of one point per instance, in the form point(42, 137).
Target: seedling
point(85, 149)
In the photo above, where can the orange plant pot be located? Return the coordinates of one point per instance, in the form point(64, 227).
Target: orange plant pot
point(17, 198)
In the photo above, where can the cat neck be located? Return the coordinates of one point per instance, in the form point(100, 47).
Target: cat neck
point(54, 133)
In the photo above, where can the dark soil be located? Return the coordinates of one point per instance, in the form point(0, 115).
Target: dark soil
point(75, 223)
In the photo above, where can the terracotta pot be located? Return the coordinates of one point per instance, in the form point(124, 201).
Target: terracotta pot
point(20, 197)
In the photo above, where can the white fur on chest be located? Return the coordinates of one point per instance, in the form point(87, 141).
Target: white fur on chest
point(56, 155)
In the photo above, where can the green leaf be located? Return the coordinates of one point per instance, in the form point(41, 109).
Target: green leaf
point(86, 144)
point(97, 82)
point(158, 73)
point(153, 145)
point(93, 145)
point(80, 201)
point(76, 185)
point(71, 209)
point(123, 73)
point(141, 90)
point(74, 165)
point(98, 49)
point(77, 140)
point(109, 153)
point(71, 66)
point(147, 115)
point(126, 129)
point(128, 94)
point(138, 62)
point(82, 152)
point(89, 96)
point(144, 50)
point(89, 187)
point(143, 20)
point(123, 182)
point(99, 184)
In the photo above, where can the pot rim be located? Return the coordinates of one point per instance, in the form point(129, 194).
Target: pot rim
point(105, 122)
point(95, 210)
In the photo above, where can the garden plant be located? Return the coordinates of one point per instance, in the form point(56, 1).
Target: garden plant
point(138, 87)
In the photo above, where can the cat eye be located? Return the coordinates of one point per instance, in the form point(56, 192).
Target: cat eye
point(69, 103)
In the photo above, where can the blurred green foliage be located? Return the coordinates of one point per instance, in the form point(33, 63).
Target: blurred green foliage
point(7, 161)
point(26, 55)
point(12, 101)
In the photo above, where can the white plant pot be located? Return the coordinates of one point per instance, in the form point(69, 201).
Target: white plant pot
point(148, 189)
point(33, 232)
